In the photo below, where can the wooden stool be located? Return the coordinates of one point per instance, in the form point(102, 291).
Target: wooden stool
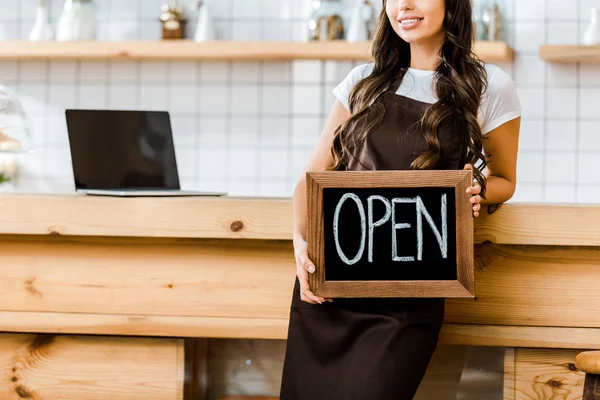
point(589, 362)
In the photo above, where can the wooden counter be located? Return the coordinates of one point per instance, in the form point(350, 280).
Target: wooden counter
point(223, 268)
point(168, 266)
point(261, 218)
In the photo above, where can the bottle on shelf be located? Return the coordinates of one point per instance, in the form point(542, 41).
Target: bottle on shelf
point(592, 32)
point(42, 29)
point(362, 22)
point(493, 24)
point(205, 29)
point(77, 21)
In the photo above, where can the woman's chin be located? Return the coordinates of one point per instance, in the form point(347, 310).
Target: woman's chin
point(415, 37)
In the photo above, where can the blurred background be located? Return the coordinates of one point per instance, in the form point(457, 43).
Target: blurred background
point(248, 127)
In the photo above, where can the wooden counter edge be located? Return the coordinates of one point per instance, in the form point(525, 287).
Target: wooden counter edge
point(249, 328)
point(262, 218)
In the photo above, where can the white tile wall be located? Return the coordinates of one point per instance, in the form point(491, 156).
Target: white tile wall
point(249, 127)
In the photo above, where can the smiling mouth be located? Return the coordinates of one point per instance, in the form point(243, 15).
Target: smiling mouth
point(410, 21)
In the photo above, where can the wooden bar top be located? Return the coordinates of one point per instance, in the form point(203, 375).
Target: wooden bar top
point(261, 218)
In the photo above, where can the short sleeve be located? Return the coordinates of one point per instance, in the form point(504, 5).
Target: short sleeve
point(500, 103)
point(342, 91)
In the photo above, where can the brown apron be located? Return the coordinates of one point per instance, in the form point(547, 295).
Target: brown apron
point(371, 349)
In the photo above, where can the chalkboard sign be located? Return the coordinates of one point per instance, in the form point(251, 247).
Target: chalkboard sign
point(390, 233)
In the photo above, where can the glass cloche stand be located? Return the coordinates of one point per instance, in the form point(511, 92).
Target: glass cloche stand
point(15, 137)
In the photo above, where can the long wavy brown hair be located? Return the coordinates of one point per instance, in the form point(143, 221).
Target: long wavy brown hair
point(460, 80)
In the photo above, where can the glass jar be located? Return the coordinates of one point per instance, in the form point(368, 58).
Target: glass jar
point(15, 137)
point(326, 20)
point(77, 21)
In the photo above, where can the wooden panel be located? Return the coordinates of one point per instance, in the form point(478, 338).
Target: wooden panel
point(186, 217)
point(144, 325)
point(520, 336)
point(186, 50)
point(70, 367)
point(217, 50)
point(530, 285)
point(570, 54)
point(541, 224)
point(245, 287)
point(340, 289)
point(251, 328)
point(261, 218)
point(148, 277)
point(544, 375)
point(509, 375)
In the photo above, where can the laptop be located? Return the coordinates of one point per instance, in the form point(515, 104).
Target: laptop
point(124, 153)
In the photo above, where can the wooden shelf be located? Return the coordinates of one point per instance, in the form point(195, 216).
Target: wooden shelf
point(570, 54)
point(219, 50)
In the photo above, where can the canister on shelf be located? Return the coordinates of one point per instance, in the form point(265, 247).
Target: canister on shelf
point(172, 21)
point(326, 21)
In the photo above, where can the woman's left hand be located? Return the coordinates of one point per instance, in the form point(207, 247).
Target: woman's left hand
point(474, 191)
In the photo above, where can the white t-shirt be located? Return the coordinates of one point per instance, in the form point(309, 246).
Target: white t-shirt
point(499, 104)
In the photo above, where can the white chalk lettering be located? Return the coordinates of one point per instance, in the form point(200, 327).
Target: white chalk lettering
point(442, 237)
point(396, 226)
point(363, 229)
point(375, 224)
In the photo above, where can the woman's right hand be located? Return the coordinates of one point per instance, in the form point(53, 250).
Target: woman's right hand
point(303, 267)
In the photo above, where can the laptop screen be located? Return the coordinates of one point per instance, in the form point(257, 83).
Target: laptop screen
point(122, 149)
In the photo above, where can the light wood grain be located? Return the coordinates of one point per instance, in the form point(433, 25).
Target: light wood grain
point(183, 217)
point(520, 336)
point(262, 218)
point(144, 325)
point(252, 328)
point(217, 50)
point(182, 50)
point(383, 289)
point(513, 287)
point(238, 279)
point(541, 224)
point(509, 387)
point(253, 280)
point(570, 54)
point(588, 362)
point(544, 374)
point(86, 367)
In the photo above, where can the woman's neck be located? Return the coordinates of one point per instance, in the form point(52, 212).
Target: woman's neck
point(425, 55)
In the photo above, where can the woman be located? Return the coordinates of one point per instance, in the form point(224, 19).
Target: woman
point(425, 102)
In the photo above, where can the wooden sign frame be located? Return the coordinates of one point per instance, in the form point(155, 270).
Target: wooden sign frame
point(460, 180)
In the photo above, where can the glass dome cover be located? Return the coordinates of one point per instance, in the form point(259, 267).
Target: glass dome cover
point(15, 126)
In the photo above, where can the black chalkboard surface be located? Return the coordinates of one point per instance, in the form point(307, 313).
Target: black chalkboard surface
point(359, 240)
point(390, 233)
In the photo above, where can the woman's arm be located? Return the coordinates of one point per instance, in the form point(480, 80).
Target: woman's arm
point(320, 160)
point(501, 146)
